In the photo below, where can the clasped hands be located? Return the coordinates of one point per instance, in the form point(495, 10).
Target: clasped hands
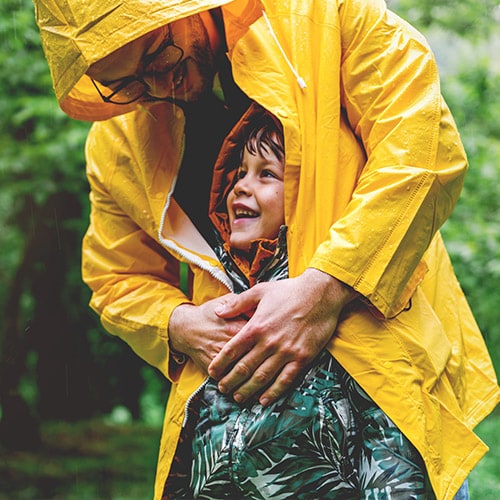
point(257, 343)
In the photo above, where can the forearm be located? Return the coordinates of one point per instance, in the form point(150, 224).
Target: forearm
point(415, 163)
point(137, 309)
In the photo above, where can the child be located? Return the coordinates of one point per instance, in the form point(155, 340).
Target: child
point(324, 439)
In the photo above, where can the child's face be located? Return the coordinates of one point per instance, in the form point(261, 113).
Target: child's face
point(255, 204)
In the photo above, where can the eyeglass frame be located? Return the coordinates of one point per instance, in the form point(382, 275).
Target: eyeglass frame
point(168, 41)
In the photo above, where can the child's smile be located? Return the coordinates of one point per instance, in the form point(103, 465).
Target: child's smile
point(255, 204)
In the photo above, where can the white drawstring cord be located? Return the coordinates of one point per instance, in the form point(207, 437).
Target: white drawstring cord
point(300, 80)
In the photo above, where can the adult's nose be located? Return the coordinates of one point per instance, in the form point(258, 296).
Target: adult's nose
point(160, 86)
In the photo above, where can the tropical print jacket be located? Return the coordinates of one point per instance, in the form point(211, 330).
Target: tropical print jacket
point(374, 166)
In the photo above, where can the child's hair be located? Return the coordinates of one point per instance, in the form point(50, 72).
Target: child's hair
point(265, 135)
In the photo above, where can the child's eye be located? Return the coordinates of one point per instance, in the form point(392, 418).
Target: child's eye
point(268, 173)
point(240, 174)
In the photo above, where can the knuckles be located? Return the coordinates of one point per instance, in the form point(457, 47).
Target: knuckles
point(242, 370)
point(262, 377)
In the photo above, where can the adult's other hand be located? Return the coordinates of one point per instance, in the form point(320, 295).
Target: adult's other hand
point(200, 333)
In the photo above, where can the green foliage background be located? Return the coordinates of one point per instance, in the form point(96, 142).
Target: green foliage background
point(44, 212)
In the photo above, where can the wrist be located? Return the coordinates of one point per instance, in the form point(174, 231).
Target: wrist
point(176, 329)
point(333, 289)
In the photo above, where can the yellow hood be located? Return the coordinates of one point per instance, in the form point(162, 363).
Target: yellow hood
point(86, 31)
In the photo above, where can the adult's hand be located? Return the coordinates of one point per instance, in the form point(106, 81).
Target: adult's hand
point(199, 333)
point(291, 321)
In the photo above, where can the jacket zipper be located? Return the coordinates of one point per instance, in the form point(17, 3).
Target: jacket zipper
point(197, 261)
point(190, 400)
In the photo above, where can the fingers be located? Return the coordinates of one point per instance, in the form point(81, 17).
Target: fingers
point(245, 380)
point(263, 378)
point(243, 304)
point(266, 378)
point(199, 333)
point(233, 350)
point(283, 382)
point(262, 368)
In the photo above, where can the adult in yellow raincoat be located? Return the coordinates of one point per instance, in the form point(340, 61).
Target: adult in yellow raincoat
point(374, 166)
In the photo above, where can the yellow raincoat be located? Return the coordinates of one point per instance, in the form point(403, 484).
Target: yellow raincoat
point(374, 166)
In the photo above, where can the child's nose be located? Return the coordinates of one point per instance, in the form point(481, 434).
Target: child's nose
point(242, 186)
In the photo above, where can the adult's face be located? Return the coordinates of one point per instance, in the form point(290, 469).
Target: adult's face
point(174, 62)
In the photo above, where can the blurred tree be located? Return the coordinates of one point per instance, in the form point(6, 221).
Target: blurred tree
point(470, 18)
point(43, 199)
point(55, 361)
point(473, 232)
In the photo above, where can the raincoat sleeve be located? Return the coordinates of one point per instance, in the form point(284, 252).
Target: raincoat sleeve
point(415, 160)
point(133, 279)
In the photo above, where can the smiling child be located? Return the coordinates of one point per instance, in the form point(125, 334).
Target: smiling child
point(325, 438)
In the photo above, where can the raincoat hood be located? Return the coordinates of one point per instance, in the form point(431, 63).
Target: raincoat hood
point(226, 166)
point(77, 33)
point(250, 263)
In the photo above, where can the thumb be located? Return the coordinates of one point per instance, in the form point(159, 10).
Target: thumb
point(243, 304)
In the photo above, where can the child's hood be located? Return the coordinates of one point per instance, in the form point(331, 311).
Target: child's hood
point(226, 166)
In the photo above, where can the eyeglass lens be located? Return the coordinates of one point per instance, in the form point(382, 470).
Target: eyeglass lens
point(130, 89)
